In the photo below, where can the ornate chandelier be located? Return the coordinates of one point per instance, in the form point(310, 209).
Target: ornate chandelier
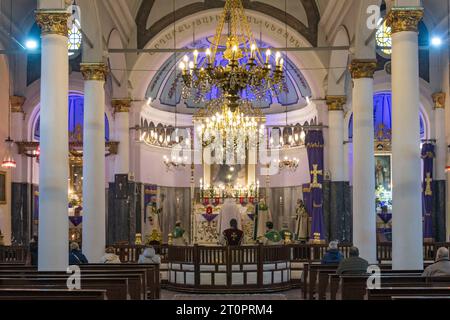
point(288, 163)
point(256, 75)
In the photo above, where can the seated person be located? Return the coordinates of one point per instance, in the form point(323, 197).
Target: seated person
point(441, 267)
point(110, 256)
point(149, 256)
point(75, 255)
point(233, 236)
point(178, 235)
point(353, 264)
point(272, 237)
point(286, 234)
point(333, 255)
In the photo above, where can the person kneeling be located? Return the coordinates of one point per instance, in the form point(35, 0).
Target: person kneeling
point(233, 236)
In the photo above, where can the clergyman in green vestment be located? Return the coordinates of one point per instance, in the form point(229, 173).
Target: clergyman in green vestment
point(179, 235)
point(272, 237)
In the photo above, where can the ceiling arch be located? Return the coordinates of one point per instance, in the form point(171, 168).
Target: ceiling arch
point(145, 33)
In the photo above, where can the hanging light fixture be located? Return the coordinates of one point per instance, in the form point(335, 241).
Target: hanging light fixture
point(8, 161)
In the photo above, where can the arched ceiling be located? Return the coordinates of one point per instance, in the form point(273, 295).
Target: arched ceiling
point(151, 17)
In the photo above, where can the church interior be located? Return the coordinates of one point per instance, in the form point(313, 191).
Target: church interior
point(252, 149)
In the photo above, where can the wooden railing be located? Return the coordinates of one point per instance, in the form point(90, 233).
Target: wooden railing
point(245, 254)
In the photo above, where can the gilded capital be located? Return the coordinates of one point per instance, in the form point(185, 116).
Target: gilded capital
point(362, 68)
point(336, 103)
point(94, 71)
point(121, 105)
point(17, 104)
point(53, 22)
point(404, 19)
point(439, 100)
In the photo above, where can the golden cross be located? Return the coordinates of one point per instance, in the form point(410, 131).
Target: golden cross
point(234, 236)
point(315, 183)
point(428, 181)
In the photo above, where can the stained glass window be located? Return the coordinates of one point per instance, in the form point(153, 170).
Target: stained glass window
point(384, 39)
point(75, 38)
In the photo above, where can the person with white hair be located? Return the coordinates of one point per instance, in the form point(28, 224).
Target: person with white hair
point(441, 267)
point(75, 255)
point(149, 256)
point(333, 255)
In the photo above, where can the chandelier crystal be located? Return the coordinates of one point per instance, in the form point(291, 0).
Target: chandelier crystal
point(258, 75)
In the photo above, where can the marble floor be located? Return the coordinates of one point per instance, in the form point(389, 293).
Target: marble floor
point(294, 294)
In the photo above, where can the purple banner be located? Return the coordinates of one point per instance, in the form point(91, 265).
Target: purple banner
point(314, 145)
point(76, 220)
point(210, 216)
point(427, 190)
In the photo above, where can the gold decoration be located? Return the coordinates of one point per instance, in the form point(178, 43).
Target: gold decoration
point(17, 104)
point(138, 240)
point(316, 173)
point(154, 236)
point(121, 105)
point(336, 103)
point(170, 239)
point(439, 100)
point(94, 71)
point(404, 19)
point(428, 181)
point(362, 68)
point(53, 22)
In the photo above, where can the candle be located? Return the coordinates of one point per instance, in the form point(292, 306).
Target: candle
point(252, 49)
point(268, 56)
point(208, 55)
point(195, 57)
point(234, 52)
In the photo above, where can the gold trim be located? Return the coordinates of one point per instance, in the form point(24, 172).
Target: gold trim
point(439, 100)
point(17, 104)
point(404, 19)
point(53, 22)
point(362, 68)
point(121, 105)
point(94, 71)
point(336, 103)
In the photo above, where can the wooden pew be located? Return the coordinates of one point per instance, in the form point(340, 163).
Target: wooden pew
point(51, 294)
point(116, 289)
point(387, 293)
point(136, 279)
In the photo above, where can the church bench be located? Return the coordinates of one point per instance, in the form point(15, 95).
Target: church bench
point(136, 279)
point(116, 289)
point(354, 287)
point(387, 293)
point(51, 294)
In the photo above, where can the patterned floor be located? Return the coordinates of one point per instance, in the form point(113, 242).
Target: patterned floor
point(286, 295)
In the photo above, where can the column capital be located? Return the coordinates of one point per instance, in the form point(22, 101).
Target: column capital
point(94, 71)
point(17, 104)
point(439, 100)
point(53, 21)
point(121, 105)
point(336, 103)
point(362, 68)
point(404, 19)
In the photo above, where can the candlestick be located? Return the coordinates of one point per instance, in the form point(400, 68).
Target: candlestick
point(208, 55)
point(195, 57)
point(268, 56)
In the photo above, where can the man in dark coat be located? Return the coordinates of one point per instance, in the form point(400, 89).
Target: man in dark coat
point(233, 236)
point(353, 264)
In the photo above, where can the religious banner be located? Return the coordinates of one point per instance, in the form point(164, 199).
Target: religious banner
point(150, 192)
point(314, 145)
point(427, 190)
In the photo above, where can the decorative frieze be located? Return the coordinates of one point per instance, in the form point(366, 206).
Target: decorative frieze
point(362, 68)
point(121, 105)
point(439, 100)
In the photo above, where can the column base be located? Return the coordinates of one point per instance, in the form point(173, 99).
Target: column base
point(340, 215)
point(438, 211)
point(21, 217)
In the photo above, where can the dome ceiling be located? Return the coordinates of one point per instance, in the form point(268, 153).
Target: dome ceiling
point(166, 86)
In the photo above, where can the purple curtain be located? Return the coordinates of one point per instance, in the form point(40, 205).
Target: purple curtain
point(307, 198)
point(314, 145)
point(427, 190)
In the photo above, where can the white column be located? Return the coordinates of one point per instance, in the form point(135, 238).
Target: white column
point(407, 237)
point(54, 162)
point(336, 137)
point(122, 126)
point(94, 216)
point(364, 219)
